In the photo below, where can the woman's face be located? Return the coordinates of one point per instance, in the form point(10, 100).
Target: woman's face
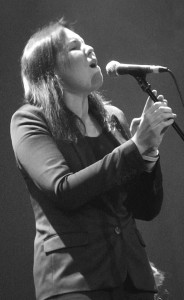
point(80, 72)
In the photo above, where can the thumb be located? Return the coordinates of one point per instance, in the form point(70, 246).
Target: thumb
point(149, 102)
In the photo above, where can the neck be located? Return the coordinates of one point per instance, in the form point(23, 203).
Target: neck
point(78, 104)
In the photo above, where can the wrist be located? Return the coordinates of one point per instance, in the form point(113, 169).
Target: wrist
point(149, 155)
point(144, 150)
point(141, 148)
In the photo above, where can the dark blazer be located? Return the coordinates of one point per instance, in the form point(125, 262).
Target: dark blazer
point(84, 240)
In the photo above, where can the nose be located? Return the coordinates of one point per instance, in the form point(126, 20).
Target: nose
point(88, 50)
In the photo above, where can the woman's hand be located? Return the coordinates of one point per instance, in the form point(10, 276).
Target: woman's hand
point(148, 131)
point(136, 121)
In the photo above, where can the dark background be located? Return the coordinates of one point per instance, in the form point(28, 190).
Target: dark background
point(132, 31)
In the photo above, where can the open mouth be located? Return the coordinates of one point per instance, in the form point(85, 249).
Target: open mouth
point(93, 64)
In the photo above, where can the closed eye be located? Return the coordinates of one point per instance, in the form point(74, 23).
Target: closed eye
point(73, 48)
point(74, 45)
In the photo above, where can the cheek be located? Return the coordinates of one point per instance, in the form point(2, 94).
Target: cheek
point(76, 81)
point(82, 81)
point(74, 70)
point(75, 75)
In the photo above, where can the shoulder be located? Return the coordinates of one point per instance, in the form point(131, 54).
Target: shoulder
point(27, 113)
point(27, 120)
point(26, 110)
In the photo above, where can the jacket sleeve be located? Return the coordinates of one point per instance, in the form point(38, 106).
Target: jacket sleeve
point(40, 160)
point(144, 192)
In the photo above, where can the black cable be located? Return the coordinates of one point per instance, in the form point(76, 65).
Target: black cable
point(177, 86)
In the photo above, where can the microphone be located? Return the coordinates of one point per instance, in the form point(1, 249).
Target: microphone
point(114, 68)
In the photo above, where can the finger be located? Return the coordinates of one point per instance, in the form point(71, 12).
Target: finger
point(163, 110)
point(163, 121)
point(160, 97)
point(168, 115)
point(136, 121)
point(166, 125)
point(157, 106)
point(154, 92)
point(163, 114)
point(165, 101)
point(134, 124)
point(149, 103)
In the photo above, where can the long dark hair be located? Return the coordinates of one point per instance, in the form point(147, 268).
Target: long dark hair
point(44, 89)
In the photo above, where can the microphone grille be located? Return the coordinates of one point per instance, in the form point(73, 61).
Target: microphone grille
point(111, 68)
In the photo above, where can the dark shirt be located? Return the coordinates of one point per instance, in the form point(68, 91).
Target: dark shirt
point(102, 145)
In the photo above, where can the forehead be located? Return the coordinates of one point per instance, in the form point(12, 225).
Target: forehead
point(71, 35)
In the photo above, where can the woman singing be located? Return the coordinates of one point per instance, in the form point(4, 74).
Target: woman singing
point(88, 175)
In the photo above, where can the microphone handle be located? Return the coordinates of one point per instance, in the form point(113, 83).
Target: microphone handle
point(146, 87)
